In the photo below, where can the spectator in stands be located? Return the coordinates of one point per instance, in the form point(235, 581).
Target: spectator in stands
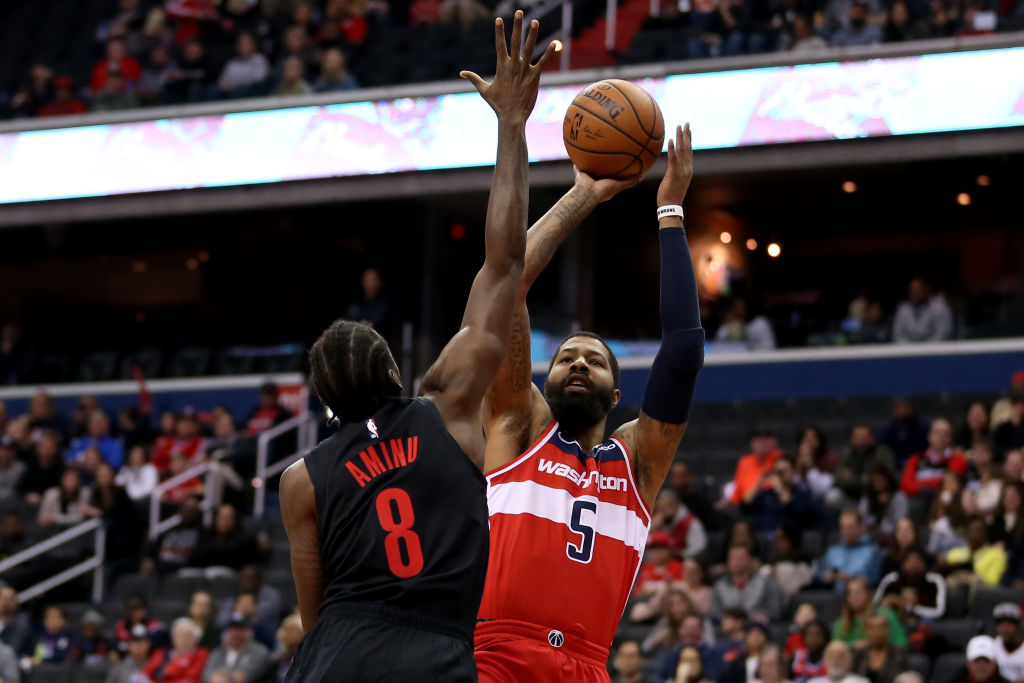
point(263, 632)
point(15, 627)
point(744, 667)
point(65, 505)
point(110, 502)
point(13, 538)
point(1009, 643)
point(909, 677)
point(186, 442)
point(925, 316)
point(744, 587)
point(667, 630)
point(981, 662)
point(239, 652)
point(752, 470)
point(244, 74)
point(64, 102)
point(138, 476)
point(26, 101)
point(225, 437)
point(660, 567)
point(740, 532)
point(292, 81)
point(856, 555)
point(691, 493)
point(883, 504)
point(155, 76)
point(695, 586)
point(814, 467)
point(200, 610)
point(43, 417)
point(975, 426)
point(691, 635)
point(688, 668)
point(11, 470)
point(87, 405)
point(755, 332)
point(98, 437)
point(838, 664)
point(56, 642)
point(136, 613)
point(189, 488)
point(858, 460)
point(977, 564)
point(9, 670)
point(1009, 435)
point(947, 518)
point(906, 433)
point(184, 663)
point(914, 593)
point(295, 43)
point(1008, 525)
point(982, 478)
point(139, 652)
point(268, 413)
point(1003, 408)
point(289, 635)
point(334, 74)
point(117, 62)
point(805, 613)
point(1013, 467)
point(192, 78)
point(924, 471)
point(375, 306)
point(128, 17)
point(878, 659)
point(772, 666)
point(175, 548)
point(627, 662)
point(857, 609)
point(790, 567)
point(92, 647)
point(685, 532)
point(809, 660)
point(268, 603)
point(227, 544)
point(859, 31)
point(779, 501)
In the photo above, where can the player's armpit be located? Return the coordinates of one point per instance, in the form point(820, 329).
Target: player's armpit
point(653, 444)
point(298, 509)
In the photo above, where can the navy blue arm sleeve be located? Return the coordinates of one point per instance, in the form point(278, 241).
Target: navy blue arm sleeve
point(673, 376)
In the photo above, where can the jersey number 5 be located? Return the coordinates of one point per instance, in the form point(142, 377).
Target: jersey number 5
point(394, 511)
point(583, 552)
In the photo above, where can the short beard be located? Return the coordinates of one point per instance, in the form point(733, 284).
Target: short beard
point(576, 412)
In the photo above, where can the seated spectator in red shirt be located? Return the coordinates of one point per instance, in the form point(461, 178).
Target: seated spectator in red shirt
point(660, 565)
point(117, 61)
point(136, 613)
point(185, 661)
point(186, 489)
point(686, 532)
point(805, 614)
point(186, 442)
point(924, 471)
point(268, 413)
point(809, 660)
point(350, 26)
point(752, 470)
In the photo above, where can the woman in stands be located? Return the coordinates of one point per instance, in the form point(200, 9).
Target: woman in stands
point(904, 538)
point(695, 586)
point(851, 628)
point(772, 667)
point(809, 660)
point(690, 668)
point(883, 504)
point(975, 426)
point(184, 662)
point(65, 505)
point(664, 635)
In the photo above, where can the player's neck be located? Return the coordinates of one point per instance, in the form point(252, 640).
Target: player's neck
point(588, 437)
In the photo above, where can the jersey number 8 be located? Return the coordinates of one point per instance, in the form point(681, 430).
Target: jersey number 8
point(583, 552)
point(399, 527)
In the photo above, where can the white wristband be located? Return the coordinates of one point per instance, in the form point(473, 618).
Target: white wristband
point(670, 210)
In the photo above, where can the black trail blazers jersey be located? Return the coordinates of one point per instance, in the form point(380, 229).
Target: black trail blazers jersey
point(402, 514)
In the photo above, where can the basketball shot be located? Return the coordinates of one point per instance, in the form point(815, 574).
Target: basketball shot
point(569, 509)
point(387, 518)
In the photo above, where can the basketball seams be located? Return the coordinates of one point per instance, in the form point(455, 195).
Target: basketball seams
point(634, 159)
point(635, 112)
point(609, 123)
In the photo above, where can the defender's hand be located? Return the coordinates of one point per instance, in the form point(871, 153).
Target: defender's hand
point(680, 169)
point(513, 92)
point(605, 188)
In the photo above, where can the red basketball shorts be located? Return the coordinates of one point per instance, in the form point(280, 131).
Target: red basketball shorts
point(509, 651)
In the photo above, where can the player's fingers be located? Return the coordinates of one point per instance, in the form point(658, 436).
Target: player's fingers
point(516, 47)
point(687, 140)
point(499, 39)
point(553, 47)
point(477, 82)
point(531, 41)
point(671, 155)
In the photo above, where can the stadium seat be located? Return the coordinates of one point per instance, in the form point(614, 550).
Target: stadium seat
point(828, 604)
point(222, 587)
point(956, 632)
point(988, 598)
point(132, 584)
point(919, 663)
point(947, 666)
point(176, 587)
point(92, 673)
point(167, 611)
point(956, 602)
point(190, 362)
point(97, 367)
point(51, 673)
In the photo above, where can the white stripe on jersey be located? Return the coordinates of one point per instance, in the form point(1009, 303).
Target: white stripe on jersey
point(529, 497)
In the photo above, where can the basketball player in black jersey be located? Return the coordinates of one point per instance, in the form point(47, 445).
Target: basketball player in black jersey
point(387, 518)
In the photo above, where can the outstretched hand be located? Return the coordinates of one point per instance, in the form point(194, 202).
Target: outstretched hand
point(604, 189)
point(513, 91)
point(680, 169)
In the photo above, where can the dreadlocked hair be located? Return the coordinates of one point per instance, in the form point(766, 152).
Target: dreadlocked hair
point(352, 370)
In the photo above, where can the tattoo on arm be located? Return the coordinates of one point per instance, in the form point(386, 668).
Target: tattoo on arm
point(656, 444)
point(566, 216)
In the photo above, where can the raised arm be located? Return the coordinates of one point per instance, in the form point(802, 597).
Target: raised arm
point(457, 380)
point(655, 435)
point(514, 408)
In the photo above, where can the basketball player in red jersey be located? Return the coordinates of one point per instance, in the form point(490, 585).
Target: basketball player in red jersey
point(569, 510)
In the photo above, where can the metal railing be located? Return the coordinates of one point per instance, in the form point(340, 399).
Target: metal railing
point(158, 526)
point(93, 564)
point(305, 428)
point(563, 34)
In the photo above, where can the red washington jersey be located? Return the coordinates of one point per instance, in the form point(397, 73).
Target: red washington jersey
point(568, 531)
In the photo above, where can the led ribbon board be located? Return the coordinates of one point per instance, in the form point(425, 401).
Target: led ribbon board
point(781, 104)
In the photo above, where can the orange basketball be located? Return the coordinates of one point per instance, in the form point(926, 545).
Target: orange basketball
point(613, 129)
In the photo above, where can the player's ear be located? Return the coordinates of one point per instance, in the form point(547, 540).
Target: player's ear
point(616, 397)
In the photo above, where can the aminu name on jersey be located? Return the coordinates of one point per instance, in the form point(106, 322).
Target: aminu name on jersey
point(396, 454)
